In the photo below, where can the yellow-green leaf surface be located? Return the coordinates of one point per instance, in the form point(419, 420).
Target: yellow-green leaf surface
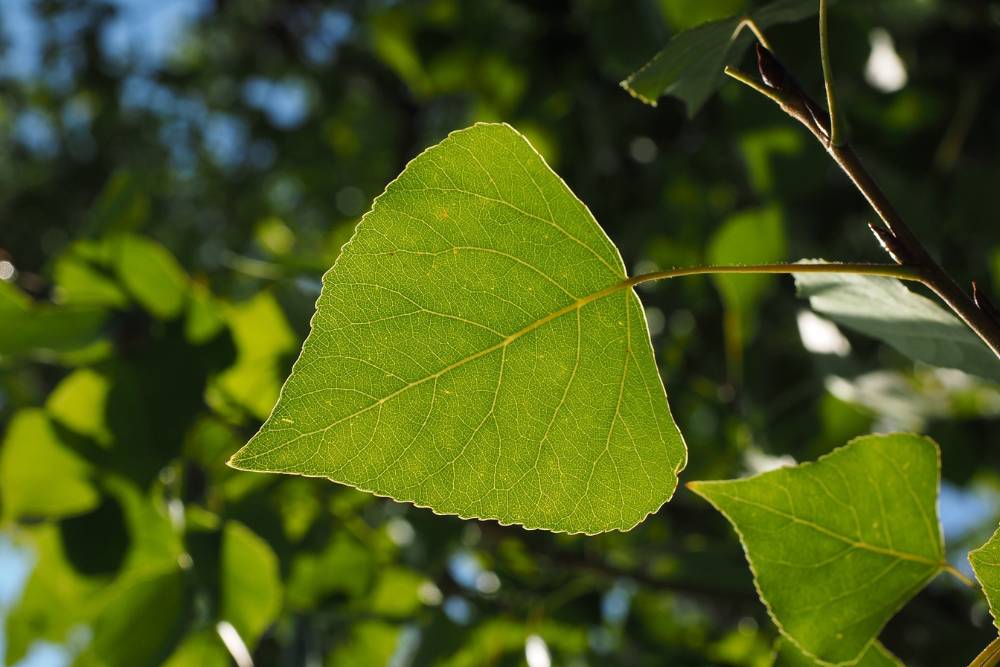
point(986, 564)
point(839, 545)
point(251, 582)
point(477, 350)
point(39, 476)
point(788, 655)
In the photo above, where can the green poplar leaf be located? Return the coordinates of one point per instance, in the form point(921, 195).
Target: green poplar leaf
point(884, 308)
point(251, 582)
point(839, 545)
point(477, 349)
point(876, 655)
point(690, 66)
point(986, 564)
point(39, 476)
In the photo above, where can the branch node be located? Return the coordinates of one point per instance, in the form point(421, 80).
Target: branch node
point(890, 244)
point(984, 304)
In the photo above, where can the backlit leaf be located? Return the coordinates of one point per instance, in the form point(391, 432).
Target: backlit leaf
point(839, 545)
point(477, 350)
point(986, 564)
point(39, 476)
point(251, 582)
point(788, 655)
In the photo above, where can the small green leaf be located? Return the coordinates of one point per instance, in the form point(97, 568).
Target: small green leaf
point(690, 66)
point(39, 476)
point(79, 403)
point(203, 648)
point(262, 337)
point(369, 643)
point(251, 582)
point(986, 564)
point(749, 237)
point(161, 602)
point(839, 545)
point(30, 327)
point(885, 309)
point(876, 655)
point(476, 349)
point(150, 273)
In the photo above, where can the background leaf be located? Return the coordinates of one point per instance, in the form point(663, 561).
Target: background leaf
point(690, 66)
point(476, 350)
point(913, 324)
point(250, 580)
point(39, 476)
point(839, 545)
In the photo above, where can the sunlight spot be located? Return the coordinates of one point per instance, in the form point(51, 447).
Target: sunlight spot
point(536, 652)
point(820, 335)
point(884, 70)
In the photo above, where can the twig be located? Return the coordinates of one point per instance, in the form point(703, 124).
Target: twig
point(902, 245)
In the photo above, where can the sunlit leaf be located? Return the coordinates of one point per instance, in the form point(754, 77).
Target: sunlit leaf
point(913, 324)
point(370, 643)
point(986, 564)
point(204, 649)
point(690, 66)
point(152, 275)
point(40, 477)
point(500, 637)
point(79, 402)
point(55, 598)
point(876, 655)
point(839, 545)
point(396, 592)
point(251, 582)
point(262, 336)
point(477, 350)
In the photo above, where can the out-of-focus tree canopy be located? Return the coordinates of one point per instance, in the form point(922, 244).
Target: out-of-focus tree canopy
point(177, 175)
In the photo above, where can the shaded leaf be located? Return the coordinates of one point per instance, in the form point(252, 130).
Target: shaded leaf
point(31, 327)
point(477, 350)
point(885, 309)
point(839, 545)
point(140, 624)
point(690, 66)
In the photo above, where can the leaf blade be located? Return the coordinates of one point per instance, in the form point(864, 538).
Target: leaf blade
point(816, 577)
point(985, 563)
point(885, 309)
point(462, 283)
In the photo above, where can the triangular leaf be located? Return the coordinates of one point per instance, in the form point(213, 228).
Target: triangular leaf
point(885, 309)
point(690, 66)
point(839, 545)
point(477, 349)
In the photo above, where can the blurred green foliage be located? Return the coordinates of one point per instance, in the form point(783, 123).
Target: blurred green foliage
point(177, 176)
